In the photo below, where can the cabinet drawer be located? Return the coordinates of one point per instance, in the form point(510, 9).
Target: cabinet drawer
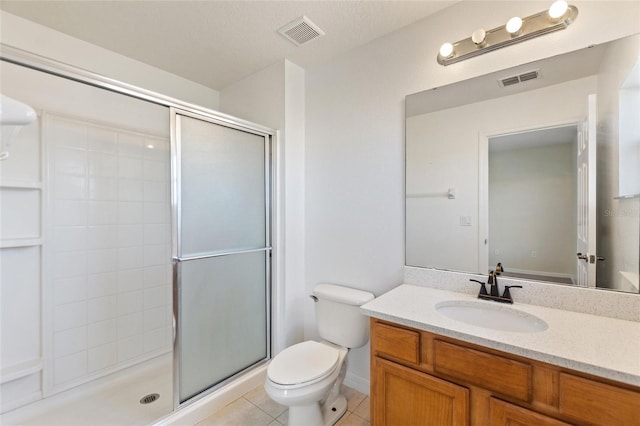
point(597, 403)
point(501, 375)
point(397, 343)
point(504, 414)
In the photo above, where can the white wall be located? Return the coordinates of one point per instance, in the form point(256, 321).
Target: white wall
point(274, 97)
point(258, 97)
point(355, 137)
point(31, 37)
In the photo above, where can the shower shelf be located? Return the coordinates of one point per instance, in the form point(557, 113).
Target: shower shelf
point(18, 184)
point(624, 197)
point(20, 242)
point(23, 369)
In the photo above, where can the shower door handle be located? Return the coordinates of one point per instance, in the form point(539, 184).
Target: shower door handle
point(173, 328)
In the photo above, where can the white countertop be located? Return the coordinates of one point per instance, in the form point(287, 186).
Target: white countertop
point(602, 346)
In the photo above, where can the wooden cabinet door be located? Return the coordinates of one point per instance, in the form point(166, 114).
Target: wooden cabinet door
point(595, 403)
point(405, 397)
point(505, 414)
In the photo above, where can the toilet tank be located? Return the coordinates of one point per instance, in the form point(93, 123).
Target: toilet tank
point(338, 315)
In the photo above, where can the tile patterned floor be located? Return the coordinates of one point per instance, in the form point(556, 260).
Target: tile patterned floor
point(255, 408)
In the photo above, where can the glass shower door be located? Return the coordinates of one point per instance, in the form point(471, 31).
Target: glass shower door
point(221, 251)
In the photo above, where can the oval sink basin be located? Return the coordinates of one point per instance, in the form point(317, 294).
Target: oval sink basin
point(494, 316)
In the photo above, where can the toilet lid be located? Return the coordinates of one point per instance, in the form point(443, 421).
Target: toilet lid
point(302, 363)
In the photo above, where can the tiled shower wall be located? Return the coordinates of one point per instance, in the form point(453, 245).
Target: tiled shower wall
point(108, 249)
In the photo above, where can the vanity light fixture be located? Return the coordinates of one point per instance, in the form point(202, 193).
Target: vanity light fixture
point(446, 50)
point(479, 37)
point(558, 17)
point(558, 9)
point(514, 25)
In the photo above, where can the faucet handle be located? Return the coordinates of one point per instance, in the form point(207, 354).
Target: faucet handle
point(483, 289)
point(507, 293)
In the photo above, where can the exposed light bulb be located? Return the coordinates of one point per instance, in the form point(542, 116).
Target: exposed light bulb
point(446, 50)
point(514, 25)
point(478, 36)
point(558, 9)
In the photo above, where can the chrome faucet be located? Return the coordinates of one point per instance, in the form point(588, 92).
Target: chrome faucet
point(494, 293)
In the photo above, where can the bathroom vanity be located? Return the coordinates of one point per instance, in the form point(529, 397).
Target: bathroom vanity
point(429, 369)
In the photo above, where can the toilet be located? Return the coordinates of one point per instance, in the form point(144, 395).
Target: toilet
point(306, 377)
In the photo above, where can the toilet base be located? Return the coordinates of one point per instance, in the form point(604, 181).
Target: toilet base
point(315, 414)
point(332, 412)
point(305, 415)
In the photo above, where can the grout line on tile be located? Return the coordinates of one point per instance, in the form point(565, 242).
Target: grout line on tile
point(258, 407)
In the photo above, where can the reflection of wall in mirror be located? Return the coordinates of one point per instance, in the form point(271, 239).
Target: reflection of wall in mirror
point(532, 209)
point(442, 152)
point(618, 220)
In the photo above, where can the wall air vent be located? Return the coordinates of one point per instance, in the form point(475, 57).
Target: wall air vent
point(301, 31)
point(517, 79)
point(531, 75)
point(509, 81)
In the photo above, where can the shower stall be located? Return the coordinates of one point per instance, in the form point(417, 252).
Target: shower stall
point(135, 255)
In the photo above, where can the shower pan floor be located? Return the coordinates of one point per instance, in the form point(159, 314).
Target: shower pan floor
point(113, 401)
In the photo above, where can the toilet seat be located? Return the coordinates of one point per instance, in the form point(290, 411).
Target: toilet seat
point(303, 363)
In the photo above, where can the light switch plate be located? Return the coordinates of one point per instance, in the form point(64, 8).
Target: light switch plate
point(465, 220)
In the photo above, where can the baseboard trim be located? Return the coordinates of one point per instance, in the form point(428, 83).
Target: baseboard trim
point(356, 382)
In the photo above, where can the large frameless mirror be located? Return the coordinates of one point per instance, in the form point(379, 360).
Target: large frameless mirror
point(536, 167)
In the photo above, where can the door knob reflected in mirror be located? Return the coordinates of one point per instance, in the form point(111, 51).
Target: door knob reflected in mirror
point(590, 258)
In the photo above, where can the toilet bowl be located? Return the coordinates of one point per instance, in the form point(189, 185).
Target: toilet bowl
point(303, 377)
point(307, 376)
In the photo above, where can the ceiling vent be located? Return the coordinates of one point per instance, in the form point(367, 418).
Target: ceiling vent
point(301, 31)
point(517, 79)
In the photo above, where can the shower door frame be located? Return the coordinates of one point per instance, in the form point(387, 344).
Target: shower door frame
point(176, 251)
point(50, 66)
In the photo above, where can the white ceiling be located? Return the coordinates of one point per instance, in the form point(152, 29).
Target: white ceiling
point(216, 43)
